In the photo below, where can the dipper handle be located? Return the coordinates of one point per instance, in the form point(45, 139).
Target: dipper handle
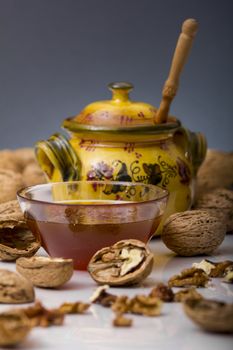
point(184, 44)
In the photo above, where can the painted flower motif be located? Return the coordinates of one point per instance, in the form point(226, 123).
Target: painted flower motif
point(105, 170)
point(153, 171)
point(184, 171)
point(101, 171)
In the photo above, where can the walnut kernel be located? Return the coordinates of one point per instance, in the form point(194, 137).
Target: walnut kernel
point(189, 277)
point(124, 263)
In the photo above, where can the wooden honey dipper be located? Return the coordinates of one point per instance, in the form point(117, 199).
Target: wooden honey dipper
point(184, 44)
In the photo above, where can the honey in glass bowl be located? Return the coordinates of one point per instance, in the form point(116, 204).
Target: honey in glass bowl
point(75, 219)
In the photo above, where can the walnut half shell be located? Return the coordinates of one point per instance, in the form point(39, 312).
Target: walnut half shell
point(15, 289)
point(16, 239)
point(45, 271)
point(211, 315)
point(124, 263)
point(14, 327)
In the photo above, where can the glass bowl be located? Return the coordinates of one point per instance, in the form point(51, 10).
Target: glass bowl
point(75, 219)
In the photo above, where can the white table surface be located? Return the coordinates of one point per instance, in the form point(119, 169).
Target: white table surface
point(94, 330)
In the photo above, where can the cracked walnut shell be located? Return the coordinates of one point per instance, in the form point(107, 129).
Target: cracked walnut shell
point(193, 232)
point(211, 315)
point(10, 211)
point(16, 243)
point(14, 327)
point(16, 239)
point(126, 262)
point(45, 271)
point(14, 288)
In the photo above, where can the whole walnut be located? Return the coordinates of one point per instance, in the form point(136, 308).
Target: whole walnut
point(10, 183)
point(216, 171)
point(33, 175)
point(220, 203)
point(24, 156)
point(8, 161)
point(193, 232)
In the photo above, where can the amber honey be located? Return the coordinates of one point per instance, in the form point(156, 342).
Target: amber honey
point(80, 240)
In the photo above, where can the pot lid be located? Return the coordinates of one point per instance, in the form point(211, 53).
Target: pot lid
point(118, 112)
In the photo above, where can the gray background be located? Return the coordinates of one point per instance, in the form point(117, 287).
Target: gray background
point(59, 55)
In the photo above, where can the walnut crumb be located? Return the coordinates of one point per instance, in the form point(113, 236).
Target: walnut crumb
point(189, 277)
point(122, 321)
point(185, 294)
point(102, 297)
point(42, 317)
point(228, 276)
point(219, 268)
point(74, 308)
point(163, 292)
point(121, 304)
point(139, 304)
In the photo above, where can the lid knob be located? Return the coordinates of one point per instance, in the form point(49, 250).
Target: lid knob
point(120, 91)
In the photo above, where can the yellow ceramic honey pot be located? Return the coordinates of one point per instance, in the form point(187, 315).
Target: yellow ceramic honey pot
point(123, 140)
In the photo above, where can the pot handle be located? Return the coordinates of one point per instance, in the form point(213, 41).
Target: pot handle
point(193, 144)
point(57, 159)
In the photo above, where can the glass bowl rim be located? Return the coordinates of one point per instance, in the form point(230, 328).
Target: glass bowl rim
point(21, 194)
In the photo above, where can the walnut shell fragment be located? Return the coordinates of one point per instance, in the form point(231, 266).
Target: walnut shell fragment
point(189, 277)
point(126, 262)
point(14, 327)
point(45, 271)
point(211, 315)
point(16, 239)
point(193, 232)
point(14, 288)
